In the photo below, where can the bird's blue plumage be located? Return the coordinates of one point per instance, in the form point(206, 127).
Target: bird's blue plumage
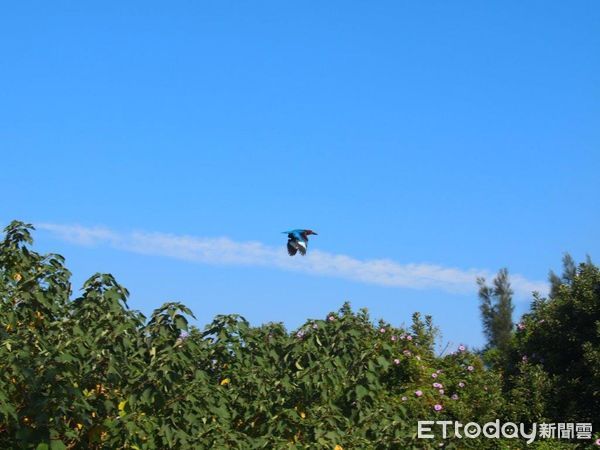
point(298, 234)
point(297, 241)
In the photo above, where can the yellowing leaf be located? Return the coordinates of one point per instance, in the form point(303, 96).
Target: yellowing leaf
point(303, 414)
point(17, 277)
point(122, 405)
point(225, 382)
point(338, 447)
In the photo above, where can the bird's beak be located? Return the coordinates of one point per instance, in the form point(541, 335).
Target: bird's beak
point(316, 234)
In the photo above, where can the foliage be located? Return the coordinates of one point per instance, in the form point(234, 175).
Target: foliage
point(558, 344)
point(88, 372)
point(496, 310)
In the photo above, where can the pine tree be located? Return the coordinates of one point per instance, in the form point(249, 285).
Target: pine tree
point(496, 310)
point(568, 275)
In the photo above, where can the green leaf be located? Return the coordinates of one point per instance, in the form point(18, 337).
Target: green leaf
point(383, 362)
point(361, 392)
point(181, 323)
point(57, 444)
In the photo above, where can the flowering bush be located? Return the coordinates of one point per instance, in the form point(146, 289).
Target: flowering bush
point(90, 373)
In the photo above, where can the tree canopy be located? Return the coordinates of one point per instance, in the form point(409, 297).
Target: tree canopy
point(88, 372)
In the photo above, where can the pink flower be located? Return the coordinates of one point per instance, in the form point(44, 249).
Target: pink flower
point(406, 352)
point(470, 368)
point(441, 391)
point(437, 385)
point(404, 399)
point(418, 393)
point(331, 318)
point(438, 371)
point(461, 384)
point(597, 442)
point(315, 326)
point(382, 330)
point(461, 348)
point(524, 358)
point(409, 338)
point(438, 407)
point(394, 338)
point(521, 326)
point(434, 375)
point(396, 361)
point(454, 397)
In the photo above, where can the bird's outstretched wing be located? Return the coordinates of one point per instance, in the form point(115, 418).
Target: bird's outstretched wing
point(294, 246)
point(291, 249)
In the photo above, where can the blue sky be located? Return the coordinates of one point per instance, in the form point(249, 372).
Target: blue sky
point(447, 138)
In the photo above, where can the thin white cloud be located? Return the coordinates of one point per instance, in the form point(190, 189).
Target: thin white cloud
point(224, 251)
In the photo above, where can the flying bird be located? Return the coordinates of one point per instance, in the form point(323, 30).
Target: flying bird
point(298, 241)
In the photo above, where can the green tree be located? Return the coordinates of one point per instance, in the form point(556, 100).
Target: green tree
point(568, 275)
point(561, 337)
point(496, 310)
point(90, 373)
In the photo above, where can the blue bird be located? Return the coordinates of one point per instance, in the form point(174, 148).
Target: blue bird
point(298, 241)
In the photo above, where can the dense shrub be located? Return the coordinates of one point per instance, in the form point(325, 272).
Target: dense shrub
point(90, 373)
point(556, 351)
